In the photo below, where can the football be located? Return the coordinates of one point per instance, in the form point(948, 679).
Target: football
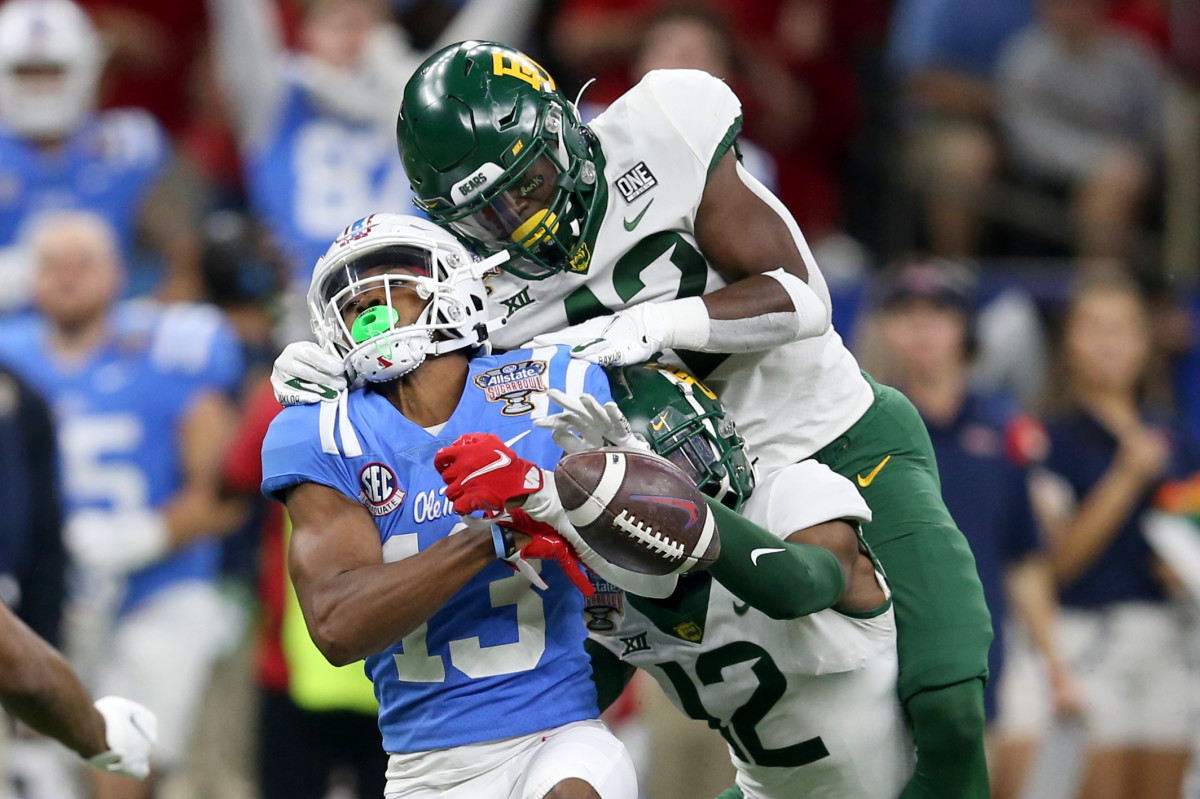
point(637, 511)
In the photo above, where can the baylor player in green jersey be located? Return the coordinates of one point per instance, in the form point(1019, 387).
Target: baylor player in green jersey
point(640, 233)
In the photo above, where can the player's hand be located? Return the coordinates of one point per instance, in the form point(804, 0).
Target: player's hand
point(115, 544)
point(483, 473)
point(131, 731)
point(586, 424)
point(304, 373)
point(633, 335)
point(553, 547)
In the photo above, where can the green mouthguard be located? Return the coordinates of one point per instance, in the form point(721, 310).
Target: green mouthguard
point(372, 322)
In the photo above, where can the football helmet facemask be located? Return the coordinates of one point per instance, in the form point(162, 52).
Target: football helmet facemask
point(498, 155)
point(684, 421)
point(391, 251)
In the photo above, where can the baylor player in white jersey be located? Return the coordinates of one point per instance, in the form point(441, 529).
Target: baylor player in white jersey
point(659, 142)
point(642, 233)
point(788, 649)
point(808, 705)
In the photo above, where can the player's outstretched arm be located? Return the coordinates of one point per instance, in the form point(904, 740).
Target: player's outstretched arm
point(813, 569)
point(39, 688)
point(748, 236)
point(354, 604)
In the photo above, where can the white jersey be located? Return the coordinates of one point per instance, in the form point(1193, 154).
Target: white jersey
point(808, 706)
point(658, 144)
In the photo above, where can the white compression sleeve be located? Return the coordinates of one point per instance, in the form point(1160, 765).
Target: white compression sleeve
point(545, 506)
point(686, 324)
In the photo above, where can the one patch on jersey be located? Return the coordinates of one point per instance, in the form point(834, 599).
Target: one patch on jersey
point(512, 384)
point(636, 182)
point(606, 603)
point(380, 490)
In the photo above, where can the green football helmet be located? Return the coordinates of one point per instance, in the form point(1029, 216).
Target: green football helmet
point(499, 156)
point(684, 421)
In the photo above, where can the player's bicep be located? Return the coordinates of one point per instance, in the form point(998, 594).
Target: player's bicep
point(836, 536)
point(739, 232)
point(205, 436)
point(331, 535)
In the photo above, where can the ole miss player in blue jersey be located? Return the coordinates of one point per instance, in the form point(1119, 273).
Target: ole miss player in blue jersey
point(484, 686)
point(56, 151)
point(316, 125)
point(139, 392)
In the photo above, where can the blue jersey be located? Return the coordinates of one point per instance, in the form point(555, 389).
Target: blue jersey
point(501, 658)
point(108, 167)
point(118, 414)
point(313, 173)
point(1081, 452)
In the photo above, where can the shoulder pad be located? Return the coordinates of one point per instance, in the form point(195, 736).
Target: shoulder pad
point(808, 493)
point(703, 109)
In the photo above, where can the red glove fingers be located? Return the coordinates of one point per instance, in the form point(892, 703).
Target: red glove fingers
point(552, 547)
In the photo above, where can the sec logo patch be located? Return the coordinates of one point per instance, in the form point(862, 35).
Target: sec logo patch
point(380, 490)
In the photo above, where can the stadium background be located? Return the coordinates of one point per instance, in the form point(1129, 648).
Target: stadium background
point(942, 133)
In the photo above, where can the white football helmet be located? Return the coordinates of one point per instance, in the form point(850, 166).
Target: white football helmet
point(371, 254)
point(50, 63)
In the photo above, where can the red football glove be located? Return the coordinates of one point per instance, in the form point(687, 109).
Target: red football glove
point(551, 546)
point(483, 473)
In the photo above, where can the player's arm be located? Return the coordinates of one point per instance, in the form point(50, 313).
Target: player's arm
point(248, 50)
point(815, 568)
point(199, 509)
point(748, 236)
point(124, 542)
point(354, 604)
point(38, 687)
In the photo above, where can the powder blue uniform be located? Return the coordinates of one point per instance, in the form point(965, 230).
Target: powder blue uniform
point(108, 167)
point(312, 171)
point(119, 413)
point(501, 658)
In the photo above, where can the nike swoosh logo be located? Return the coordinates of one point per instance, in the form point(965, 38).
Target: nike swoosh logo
point(757, 553)
point(741, 608)
point(659, 424)
point(501, 461)
point(863, 482)
point(325, 392)
point(631, 225)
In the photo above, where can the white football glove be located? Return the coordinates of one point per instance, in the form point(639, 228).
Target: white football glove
point(131, 731)
point(304, 373)
point(586, 424)
point(115, 544)
point(633, 335)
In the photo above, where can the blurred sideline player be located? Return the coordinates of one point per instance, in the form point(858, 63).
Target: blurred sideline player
point(139, 391)
point(316, 126)
point(56, 151)
point(483, 684)
point(649, 204)
point(39, 688)
point(926, 325)
point(787, 643)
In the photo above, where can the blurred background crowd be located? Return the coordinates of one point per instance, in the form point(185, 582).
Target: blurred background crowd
point(1004, 196)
